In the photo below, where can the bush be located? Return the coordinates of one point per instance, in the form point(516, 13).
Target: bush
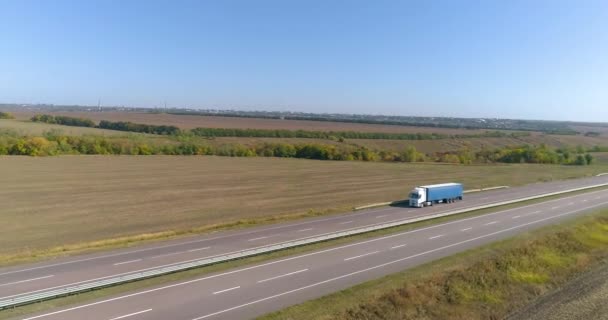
point(6, 115)
point(138, 127)
point(63, 120)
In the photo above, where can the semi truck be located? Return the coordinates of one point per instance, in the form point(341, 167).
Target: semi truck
point(423, 196)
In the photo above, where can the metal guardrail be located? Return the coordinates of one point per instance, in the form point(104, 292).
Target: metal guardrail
point(19, 300)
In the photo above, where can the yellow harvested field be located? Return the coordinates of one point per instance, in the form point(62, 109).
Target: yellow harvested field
point(54, 201)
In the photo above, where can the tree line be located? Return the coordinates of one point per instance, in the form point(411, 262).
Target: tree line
point(55, 143)
point(284, 133)
point(104, 124)
point(139, 127)
point(261, 133)
point(63, 120)
point(549, 127)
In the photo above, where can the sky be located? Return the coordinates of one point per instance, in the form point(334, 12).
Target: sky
point(527, 59)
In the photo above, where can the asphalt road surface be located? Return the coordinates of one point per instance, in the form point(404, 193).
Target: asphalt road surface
point(58, 273)
point(247, 292)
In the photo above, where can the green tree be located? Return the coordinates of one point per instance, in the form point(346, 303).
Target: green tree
point(6, 115)
point(580, 160)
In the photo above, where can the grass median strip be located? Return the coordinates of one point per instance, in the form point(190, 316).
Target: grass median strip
point(489, 282)
point(250, 260)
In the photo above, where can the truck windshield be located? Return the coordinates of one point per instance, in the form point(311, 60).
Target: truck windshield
point(414, 196)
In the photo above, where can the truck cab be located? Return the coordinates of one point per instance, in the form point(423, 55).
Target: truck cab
point(418, 197)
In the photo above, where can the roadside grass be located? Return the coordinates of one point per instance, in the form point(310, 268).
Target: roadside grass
point(485, 283)
point(198, 272)
point(66, 205)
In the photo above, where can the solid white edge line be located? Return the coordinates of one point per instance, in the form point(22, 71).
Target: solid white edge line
point(279, 261)
point(226, 290)
point(131, 314)
point(283, 275)
point(24, 281)
point(384, 265)
point(125, 262)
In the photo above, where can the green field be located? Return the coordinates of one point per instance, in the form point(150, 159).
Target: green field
point(486, 283)
point(56, 201)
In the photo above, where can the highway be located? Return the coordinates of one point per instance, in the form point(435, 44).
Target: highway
point(58, 273)
point(250, 291)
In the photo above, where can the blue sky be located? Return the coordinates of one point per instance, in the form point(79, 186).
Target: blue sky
point(511, 59)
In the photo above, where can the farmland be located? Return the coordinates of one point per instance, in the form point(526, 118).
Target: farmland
point(444, 145)
point(194, 121)
point(24, 127)
point(53, 201)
